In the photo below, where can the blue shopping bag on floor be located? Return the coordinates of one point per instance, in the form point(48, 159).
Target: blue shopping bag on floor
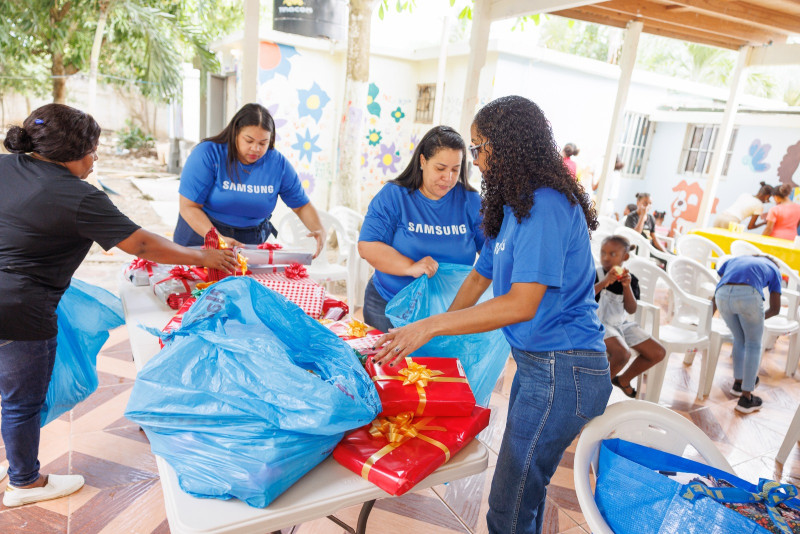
point(250, 394)
point(483, 356)
point(635, 498)
point(85, 315)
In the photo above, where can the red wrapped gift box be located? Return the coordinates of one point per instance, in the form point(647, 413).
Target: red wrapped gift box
point(423, 386)
point(396, 453)
point(304, 292)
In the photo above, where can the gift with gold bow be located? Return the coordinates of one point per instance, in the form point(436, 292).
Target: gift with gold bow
point(423, 386)
point(397, 452)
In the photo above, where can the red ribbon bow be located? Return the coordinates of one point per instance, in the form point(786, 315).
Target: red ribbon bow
point(180, 273)
point(295, 271)
point(141, 263)
point(269, 246)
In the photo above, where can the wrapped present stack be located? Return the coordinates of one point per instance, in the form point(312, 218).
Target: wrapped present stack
point(429, 414)
point(294, 284)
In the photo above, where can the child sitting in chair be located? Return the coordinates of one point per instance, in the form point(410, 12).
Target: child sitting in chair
point(617, 290)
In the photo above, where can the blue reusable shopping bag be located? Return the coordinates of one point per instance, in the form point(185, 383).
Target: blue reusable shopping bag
point(483, 356)
point(85, 315)
point(635, 498)
point(250, 394)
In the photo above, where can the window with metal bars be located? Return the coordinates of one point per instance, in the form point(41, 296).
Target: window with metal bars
point(634, 146)
point(698, 148)
point(426, 95)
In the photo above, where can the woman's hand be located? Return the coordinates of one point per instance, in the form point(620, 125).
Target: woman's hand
point(222, 259)
point(426, 265)
point(402, 342)
point(319, 235)
point(231, 242)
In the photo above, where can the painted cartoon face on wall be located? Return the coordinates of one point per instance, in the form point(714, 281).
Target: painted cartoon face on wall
point(686, 204)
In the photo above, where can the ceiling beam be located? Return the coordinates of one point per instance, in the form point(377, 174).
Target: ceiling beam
point(507, 9)
point(755, 14)
point(608, 18)
point(774, 55)
point(657, 12)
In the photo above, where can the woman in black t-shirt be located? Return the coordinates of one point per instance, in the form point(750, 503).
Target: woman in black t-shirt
point(49, 218)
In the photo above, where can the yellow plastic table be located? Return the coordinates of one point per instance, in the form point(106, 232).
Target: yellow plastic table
point(780, 248)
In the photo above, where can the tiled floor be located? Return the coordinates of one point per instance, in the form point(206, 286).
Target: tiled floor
point(123, 492)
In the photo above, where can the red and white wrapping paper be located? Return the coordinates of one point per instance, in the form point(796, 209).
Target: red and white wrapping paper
point(304, 292)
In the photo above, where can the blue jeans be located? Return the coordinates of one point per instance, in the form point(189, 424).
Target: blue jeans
point(553, 395)
point(375, 309)
point(25, 369)
point(742, 308)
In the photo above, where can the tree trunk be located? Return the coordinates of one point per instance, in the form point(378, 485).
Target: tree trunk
point(94, 59)
point(59, 78)
point(346, 187)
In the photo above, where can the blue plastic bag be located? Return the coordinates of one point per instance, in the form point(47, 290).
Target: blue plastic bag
point(250, 394)
point(635, 498)
point(482, 355)
point(85, 315)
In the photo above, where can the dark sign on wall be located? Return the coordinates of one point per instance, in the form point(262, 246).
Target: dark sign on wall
point(312, 18)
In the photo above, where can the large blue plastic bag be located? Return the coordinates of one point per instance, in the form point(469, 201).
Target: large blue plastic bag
point(230, 402)
point(634, 498)
point(482, 355)
point(85, 315)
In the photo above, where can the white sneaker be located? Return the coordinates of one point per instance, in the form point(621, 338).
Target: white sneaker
point(3, 471)
point(57, 486)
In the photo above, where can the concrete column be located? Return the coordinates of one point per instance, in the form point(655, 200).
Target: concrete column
point(250, 51)
point(478, 45)
point(626, 63)
point(723, 138)
point(441, 73)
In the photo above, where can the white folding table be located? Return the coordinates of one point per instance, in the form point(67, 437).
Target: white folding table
point(323, 491)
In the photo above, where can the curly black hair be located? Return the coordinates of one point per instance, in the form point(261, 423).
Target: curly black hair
point(522, 156)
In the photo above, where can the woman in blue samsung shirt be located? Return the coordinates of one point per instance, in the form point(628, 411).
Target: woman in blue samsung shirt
point(537, 220)
point(426, 216)
point(232, 182)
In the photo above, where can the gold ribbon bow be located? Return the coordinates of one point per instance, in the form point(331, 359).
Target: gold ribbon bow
point(419, 375)
point(397, 430)
point(356, 328)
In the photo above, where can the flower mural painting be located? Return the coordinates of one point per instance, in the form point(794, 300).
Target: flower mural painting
point(387, 158)
point(398, 114)
point(374, 137)
point(307, 181)
point(273, 110)
point(364, 157)
point(412, 144)
point(307, 145)
point(754, 160)
point(312, 101)
point(372, 106)
point(274, 59)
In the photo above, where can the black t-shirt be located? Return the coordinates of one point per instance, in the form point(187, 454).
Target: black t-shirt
point(617, 288)
point(649, 227)
point(48, 221)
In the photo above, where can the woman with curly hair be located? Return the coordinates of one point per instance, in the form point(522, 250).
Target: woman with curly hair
point(537, 221)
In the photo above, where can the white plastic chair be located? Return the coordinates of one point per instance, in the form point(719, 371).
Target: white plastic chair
point(292, 232)
point(357, 267)
point(351, 222)
point(607, 224)
point(700, 281)
point(643, 423)
point(786, 323)
point(698, 248)
point(596, 243)
point(744, 248)
point(679, 334)
point(644, 248)
point(792, 436)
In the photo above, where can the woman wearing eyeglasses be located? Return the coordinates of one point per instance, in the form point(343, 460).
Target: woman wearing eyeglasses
point(542, 275)
point(49, 218)
point(426, 216)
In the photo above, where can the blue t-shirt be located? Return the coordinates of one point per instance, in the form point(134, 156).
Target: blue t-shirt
point(754, 271)
point(246, 198)
point(550, 247)
point(448, 229)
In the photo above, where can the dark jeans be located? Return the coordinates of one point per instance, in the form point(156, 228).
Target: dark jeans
point(25, 369)
point(252, 235)
point(553, 395)
point(375, 309)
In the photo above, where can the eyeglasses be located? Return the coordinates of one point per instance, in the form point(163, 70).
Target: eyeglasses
point(475, 149)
